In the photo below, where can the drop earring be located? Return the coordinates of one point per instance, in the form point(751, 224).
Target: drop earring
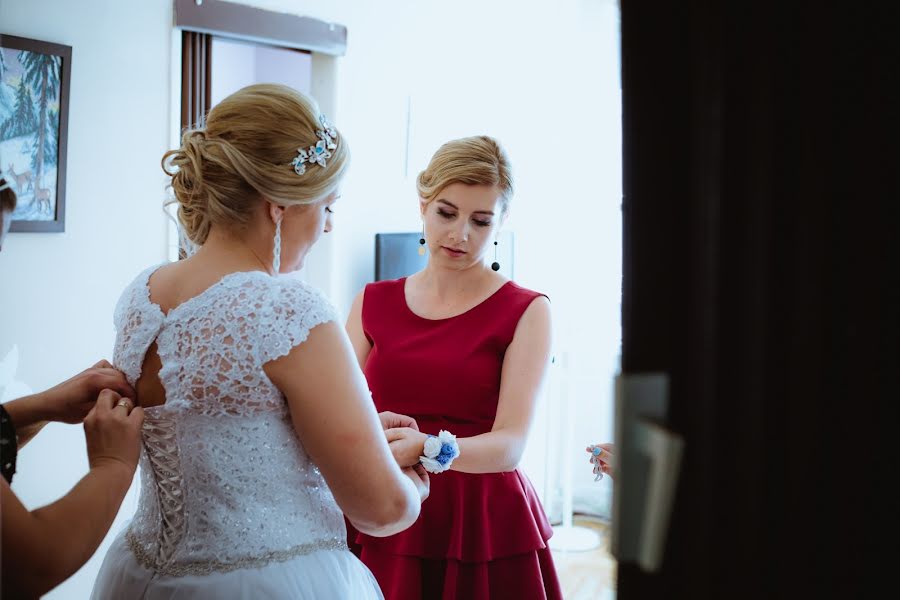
point(276, 249)
point(495, 265)
point(422, 242)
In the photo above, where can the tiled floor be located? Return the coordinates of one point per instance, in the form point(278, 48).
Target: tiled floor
point(588, 575)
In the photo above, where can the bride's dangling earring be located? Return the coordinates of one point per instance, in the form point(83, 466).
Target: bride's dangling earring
point(276, 250)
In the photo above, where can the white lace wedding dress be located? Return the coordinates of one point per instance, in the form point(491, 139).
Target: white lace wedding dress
point(231, 505)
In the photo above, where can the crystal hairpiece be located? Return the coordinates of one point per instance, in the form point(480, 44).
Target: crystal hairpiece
point(318, 153)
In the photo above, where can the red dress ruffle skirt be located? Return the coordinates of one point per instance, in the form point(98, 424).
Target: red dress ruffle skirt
point(478, 537)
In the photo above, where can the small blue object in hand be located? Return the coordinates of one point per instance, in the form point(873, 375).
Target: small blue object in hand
point(596, 451)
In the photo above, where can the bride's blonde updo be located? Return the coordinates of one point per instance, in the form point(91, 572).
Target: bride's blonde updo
point(244, 153)
point(478, 160)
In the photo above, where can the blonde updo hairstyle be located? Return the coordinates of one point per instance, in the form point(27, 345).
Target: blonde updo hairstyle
point(243, 154)
point(478, 160)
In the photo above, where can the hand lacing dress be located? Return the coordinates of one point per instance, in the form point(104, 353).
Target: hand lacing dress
point(231, 505)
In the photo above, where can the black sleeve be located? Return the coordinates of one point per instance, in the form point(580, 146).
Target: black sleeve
point(8, 446)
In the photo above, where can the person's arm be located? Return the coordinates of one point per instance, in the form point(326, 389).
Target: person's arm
point(354, 327)
point(335, 418)
point(361, 348)
point(522, 377)
point(44, 547)
point(27, 418)
point(67, 402)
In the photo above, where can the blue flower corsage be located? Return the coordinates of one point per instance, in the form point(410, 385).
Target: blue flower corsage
point(439, 452)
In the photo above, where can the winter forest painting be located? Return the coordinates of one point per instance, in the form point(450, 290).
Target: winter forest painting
point(31, 84)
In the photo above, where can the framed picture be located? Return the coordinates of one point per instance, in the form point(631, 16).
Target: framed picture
point(34, 118)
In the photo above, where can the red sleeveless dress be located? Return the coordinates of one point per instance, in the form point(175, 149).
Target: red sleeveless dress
point(479, 536)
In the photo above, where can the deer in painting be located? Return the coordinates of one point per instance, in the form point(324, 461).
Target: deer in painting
point(42, 197)
point(21, 179)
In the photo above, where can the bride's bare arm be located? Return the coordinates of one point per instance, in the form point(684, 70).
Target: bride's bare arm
point(335, 419)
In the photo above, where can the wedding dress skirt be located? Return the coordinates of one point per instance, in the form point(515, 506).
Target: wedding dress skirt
point(320, 575)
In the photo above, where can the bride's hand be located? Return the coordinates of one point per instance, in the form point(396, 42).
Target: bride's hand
point(407, 445)
point(389, 420)
point(419, 476)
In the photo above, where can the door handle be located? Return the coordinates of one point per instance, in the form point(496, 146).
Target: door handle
point(648, 460)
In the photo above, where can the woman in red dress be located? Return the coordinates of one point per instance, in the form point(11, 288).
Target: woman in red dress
point(457, 347)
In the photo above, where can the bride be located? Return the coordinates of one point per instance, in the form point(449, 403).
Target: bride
point(259, 430)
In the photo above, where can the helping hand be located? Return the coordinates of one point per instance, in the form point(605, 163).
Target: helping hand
point(390, 420)
point(112, 431)
point(419, 477)
point(407, 445)
point(73, 399)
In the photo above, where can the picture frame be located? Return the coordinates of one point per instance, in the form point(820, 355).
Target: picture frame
point(34, 121)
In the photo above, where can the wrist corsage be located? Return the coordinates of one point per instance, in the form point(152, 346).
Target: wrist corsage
point(439, 452)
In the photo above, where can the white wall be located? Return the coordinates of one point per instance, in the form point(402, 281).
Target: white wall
point(543, 79)
point(239, 64)
point(59, 290)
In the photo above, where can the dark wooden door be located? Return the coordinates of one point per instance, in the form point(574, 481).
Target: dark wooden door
point(761, 274)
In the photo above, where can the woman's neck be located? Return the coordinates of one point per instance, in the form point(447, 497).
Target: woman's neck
point(444, 283)
point(234, 252)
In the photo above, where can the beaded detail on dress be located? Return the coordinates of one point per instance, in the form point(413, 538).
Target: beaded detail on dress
point(225, 482)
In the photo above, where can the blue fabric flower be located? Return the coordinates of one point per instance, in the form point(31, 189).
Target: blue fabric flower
point(439, 452)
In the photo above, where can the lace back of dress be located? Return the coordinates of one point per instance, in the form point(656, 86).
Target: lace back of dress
point(226, 484)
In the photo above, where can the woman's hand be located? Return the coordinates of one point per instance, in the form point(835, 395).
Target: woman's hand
point(72, 400)
point(407, 445)
point(68, 402)
point(419, 477)
point(604, 460)
point(113, 432)
point(390, 420)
